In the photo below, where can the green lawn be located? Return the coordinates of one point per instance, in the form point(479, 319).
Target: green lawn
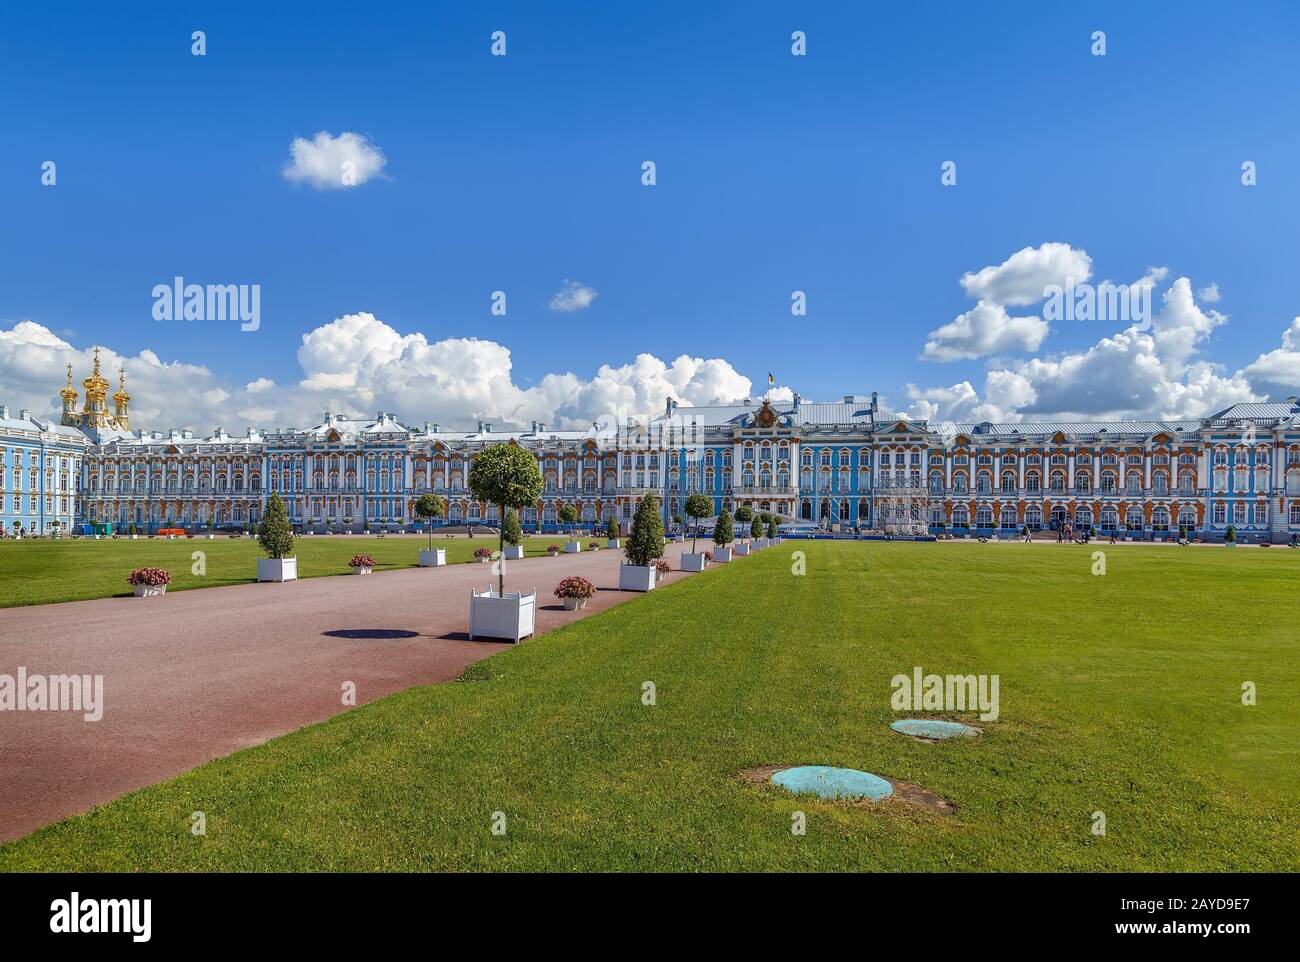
point(1119, 694)
point(45, 571)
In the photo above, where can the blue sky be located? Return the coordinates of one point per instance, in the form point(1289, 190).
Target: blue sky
point(775, 173)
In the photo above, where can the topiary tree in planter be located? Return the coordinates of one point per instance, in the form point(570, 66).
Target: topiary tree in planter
point(756, 528)
point(722, 531)
point(505, 475)
point(697, 506)
point(568, 515)
point(611, 528)
point(1230, 537)
point(744, 514)
point(771, 529)
point(647, 540)
point(511, 530)
point(428, 507)
point(275, 536)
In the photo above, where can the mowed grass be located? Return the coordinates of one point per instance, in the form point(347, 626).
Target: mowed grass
point(45, 571)
point(1120, 694)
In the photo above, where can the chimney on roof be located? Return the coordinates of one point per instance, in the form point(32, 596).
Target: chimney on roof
point(480, 427)
point(875, 401)
point(669, 405)
point(534, 431)
point(541, 427)
point(4, 411)
point(746, 402)
point(797, 399)
point(850, 399)
point(426, 427)
point(437, 429)
point(329, 418)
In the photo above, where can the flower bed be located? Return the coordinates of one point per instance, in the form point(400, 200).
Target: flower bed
point(149, 582)
point(574, 592)
point(149, 576)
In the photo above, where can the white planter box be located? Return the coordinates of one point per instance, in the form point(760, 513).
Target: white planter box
point(741, 549)
point(721, 554)
point(361, 570)
point(495, 616)
point(514, 552)
point(613, 543)
point(277, 569)
point(433, 557)
point(573, 604)
point(636, 578)
point(133, 537)
point(482, 561)
point(572, 547)
point(693, 562)
point(149, 591)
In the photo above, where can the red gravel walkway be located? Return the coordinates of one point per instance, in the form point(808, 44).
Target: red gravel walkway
point(195, 675)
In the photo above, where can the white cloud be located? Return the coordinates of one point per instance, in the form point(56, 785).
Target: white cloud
point(1181, 326)
point(986, 328)
point(1277, 373)
point(327, 162)
point(358, 364)
point(1210, 294)
point(572, 296)
point(1021, 278)
point(1133, 373)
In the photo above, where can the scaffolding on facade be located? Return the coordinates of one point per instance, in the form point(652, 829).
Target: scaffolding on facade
point(903, 509)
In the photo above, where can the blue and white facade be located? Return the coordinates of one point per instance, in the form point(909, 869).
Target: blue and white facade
point(40, 463)
point(832, 466)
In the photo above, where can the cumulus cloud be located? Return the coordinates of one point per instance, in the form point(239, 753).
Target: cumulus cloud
point(1278, 372)
point(986, 328)
point(358, 364)
point(1021, 278)
point(327, 162)
point(1209, 294)
point(572, 296)
point(1134, 373)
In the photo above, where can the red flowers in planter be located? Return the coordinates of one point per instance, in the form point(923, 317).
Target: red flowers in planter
point(594, 545)
point(482, 552)
point(662, 566)
point(553, 549)
point(708, 556)
point(575, 586)
point(361, 561)
point(149, 576)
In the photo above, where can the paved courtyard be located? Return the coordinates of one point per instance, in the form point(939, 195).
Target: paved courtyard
point(196, 675)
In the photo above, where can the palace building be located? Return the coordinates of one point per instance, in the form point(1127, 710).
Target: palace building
point(842, 466)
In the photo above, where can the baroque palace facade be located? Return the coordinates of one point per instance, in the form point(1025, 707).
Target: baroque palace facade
point(836, 466)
